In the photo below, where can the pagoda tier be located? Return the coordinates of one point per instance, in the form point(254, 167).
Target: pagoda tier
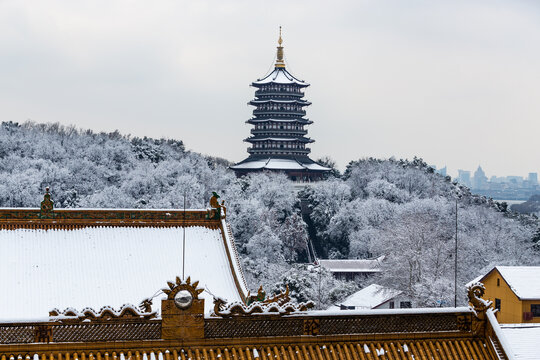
point(273, 101)
point(278, 137)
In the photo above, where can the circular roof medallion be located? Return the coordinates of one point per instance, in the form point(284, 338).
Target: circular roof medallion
point(183, 299)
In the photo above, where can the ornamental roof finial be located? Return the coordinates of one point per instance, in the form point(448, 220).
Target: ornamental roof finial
point(279, 62)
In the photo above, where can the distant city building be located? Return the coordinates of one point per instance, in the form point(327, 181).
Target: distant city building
point(533, 178)
point(278, 137)
point(464, 177)
point(502, 188)
point(442, 171)
point(480, 179)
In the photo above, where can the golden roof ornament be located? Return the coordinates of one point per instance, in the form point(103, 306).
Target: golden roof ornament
point(182, 313)
point(217, 210)
point(47, 205)
point(279, 62)
point(183, 292)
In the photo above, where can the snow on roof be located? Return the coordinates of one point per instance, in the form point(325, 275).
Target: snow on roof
point(278, 164)
point(280, 76)
point(276, 139)
point(523, 339)
point(523, 280)
point(98, 266)
point(369, 297)
point(262, 101)
point(358, 265)
point(316, 166)
point(255, 164)
point(280, 120)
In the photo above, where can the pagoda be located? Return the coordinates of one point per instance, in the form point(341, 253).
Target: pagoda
point(278, 137)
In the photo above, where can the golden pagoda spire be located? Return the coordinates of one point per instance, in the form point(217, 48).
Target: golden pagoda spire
point(279, 62)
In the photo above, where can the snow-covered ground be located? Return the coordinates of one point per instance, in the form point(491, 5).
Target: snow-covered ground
point(97, 266)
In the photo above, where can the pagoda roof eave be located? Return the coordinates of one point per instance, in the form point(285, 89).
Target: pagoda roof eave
point(300, 120)
point(279, 76)
point(277, 138)
point(300, 102)
point(273, 162)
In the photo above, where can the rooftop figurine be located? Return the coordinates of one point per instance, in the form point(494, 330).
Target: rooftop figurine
point(217, 210)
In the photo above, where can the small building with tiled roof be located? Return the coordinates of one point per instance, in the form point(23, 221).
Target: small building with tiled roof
point(375, 296)
point(352, 269)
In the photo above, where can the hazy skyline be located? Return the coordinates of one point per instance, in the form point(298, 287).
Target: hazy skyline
point(456, 83)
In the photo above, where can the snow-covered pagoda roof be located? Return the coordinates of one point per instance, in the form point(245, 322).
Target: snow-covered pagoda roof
point(91, 258)
point(279, 76)
point(299, 102)
point(267, 120)
point(279, 164)
point(282, 138)
point(352, 265)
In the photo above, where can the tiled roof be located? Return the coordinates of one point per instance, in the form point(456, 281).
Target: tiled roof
point(365, 335)
point(433, 349)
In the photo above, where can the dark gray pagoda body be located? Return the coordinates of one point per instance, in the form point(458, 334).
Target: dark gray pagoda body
point(278, 137)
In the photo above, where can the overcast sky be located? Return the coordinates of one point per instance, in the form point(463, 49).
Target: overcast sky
point(454, 82)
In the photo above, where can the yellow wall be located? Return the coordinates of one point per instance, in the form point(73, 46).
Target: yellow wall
point(512, 307)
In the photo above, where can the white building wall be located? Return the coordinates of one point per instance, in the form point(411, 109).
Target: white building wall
point(397, 302)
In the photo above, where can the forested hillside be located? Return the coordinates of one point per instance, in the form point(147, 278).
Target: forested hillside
point(407, 212)
point(400, 209)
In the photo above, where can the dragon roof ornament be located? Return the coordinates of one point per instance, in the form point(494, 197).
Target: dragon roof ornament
point(279, 304)
point(474, 293)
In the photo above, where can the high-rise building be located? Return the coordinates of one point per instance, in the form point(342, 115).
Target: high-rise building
point(480, 179)
point(533, 178)
point(278, 137)
point(464, 177)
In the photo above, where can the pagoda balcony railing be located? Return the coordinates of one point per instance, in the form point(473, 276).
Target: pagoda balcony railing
point(269, 119)
point(274, 132)
point(278, 151)
point(280, 112)
point(278, 93)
